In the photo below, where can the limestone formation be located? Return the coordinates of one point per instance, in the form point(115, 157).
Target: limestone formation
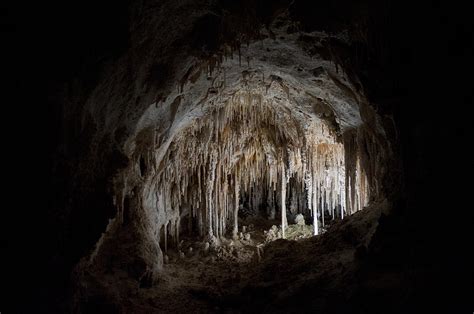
point(299, 220)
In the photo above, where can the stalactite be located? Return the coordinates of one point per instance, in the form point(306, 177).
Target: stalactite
point(251, 147)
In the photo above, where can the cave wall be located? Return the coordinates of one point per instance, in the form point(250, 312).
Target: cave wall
point(134, 106)
point(395, 45)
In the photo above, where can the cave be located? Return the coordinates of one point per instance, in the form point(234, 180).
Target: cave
point(244, 157)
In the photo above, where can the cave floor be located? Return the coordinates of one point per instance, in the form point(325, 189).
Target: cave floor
point(231, 278)
point(206, 281)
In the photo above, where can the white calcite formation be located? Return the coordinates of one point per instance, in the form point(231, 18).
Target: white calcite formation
point(187, 142)
point(268, 122)
point(261, 147)
point(269, 132)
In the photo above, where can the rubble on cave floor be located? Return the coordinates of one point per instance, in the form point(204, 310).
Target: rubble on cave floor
point(247, 246)
point(221, 278)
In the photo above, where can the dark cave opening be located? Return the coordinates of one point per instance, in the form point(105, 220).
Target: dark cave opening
point(133, 158)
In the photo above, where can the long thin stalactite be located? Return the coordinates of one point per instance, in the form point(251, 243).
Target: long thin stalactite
point(250, 146)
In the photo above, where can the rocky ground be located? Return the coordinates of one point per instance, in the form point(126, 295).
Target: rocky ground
point(258, 272)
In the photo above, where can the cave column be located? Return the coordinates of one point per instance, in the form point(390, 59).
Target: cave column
point(283, 201)
point(178, 222)
point(315, 208)
point(236, 211)
point(166, 237)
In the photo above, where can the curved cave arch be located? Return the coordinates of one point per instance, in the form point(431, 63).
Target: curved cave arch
point(245, 116)
point(299, 135)
point(280, 108)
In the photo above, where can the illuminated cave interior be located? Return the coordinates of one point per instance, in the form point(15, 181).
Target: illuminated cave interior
point(247, 156)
